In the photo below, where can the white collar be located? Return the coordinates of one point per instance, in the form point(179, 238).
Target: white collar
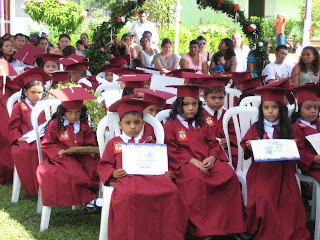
point(184, 121)
point(270, 124)
point(137, 138)
point(29, 103)
point(211, 111)
point(85, 81)
point(309, 124)
point(268, 127)
point(76, 125)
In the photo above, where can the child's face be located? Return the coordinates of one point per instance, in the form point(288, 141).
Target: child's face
point(50, 66)
point(131, 124)
point(109, 76)
point(222, 61)
point(72, 115)
point(153, 110)
point(64, 82)
point(34, 93)
point(270, 110)
point(190, 107)
point(215, 100)
point(309, 111)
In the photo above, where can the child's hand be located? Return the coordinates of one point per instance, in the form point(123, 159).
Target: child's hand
point(168, 174)
point(22, 139)
point(119, 173)
point(198, 164)
point(248, 145)
point(61, 153)
point(223, 142)
point(208, 162)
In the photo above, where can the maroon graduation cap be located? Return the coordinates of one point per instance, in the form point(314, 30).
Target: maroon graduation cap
point(28, 54)
point(31, 75)
point(156, 96)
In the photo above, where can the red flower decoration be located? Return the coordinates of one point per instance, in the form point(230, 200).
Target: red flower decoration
point(83, 128)
point(236, 7)
point(250, 29)
point(229, 16)
point(316, 74)
point(102, 49)
point(180, 22)
point(119, 20)
point(135, 14)
point(219, 5)
point(221, 1)
point(311, 29)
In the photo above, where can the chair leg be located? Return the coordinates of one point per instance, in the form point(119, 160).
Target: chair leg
point(107, 192)
point(317, 222)
point(39, 203)
point(45, 218)
point(16, 186)
point(314, 201)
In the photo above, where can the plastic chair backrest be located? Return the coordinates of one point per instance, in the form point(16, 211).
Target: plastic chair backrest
point(101, 75)
point(162, 115)
point(243, 118)
point(250, 101)
point(229, 98)
point(88, 73)
point(107, 86)
point(101, 80)
point(12, 100)
point(47, 106)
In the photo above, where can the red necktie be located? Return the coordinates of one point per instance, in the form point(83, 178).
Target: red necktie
point(131, 140)
point(190, 124)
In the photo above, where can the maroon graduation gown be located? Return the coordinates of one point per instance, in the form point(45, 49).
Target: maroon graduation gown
point(142, 207)
point(214, 202)
point(6, 163)
point(307, 152)
point(275, 209)
point(71, 179)
point(24, 155)
point(213, 122)
point(94, 83)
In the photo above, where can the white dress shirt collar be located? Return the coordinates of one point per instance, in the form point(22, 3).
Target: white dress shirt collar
point(268, 127)
point(309, 124)
point(211, 111)
point(85, 81)
point(76, 125)
point(137, 138)
point(184, 121)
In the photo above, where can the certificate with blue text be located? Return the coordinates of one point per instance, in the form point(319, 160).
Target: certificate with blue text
point(144, 158)
point(267, 150)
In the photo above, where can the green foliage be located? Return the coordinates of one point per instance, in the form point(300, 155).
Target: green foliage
point(315, 18)
point(95, 109)
point(56, 16)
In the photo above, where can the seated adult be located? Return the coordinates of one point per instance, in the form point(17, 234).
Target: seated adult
point(85, 38)
point(226, 48)
point(64, 40)
point(203, 45)
point(307, 67)
point(127, 39)
point(148, 34)
point(279, 69)
point(7, 52)
point(166, 59)
point(119, 48)
point(193, 59)
point(147, 53)
point(241, 51)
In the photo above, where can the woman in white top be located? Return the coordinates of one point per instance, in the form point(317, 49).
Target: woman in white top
point(241, 51)
point(166, 59)
point(147, 53)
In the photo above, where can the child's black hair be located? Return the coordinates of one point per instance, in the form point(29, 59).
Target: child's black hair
point(59, 114)
point(217, 57)
point(177, 108)
point(215, 89)
point(244, 95)
point(29, 85)
point(283, 129)
point(134, 113)
point(127, 91)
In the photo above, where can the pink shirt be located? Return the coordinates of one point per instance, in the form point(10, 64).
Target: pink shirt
point(198, 68)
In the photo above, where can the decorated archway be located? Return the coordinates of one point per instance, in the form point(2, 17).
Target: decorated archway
point(121, 12)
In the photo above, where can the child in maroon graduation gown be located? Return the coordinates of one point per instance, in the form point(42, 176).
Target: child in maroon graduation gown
point(69, 179)
point(143, 207)
point(306, 122)
point(25, 155)
point(6, 163)
point(275, 209)
point(208, 184)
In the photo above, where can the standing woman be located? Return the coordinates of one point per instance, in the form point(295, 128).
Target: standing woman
point(64, 40)
point(226, 48)
point(307, 67)
point(7, 51)
point(84, 37)
point(241, 51)
point(166, 59)
point(193, 59)
point(147, 53)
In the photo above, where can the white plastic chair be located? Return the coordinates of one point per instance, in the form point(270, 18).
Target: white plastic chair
point(229, 99)
point(101, 75)
point(250, 101)
point(16, 180)
point(162, 115)
point(101, 80)
point(107, 86)
point(243, 118)
point(101, 135)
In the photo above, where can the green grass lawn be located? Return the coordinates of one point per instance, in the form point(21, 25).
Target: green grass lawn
point(20, 221)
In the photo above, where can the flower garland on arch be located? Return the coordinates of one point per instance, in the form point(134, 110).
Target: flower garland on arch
point(251, 27)
point(103, 37)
